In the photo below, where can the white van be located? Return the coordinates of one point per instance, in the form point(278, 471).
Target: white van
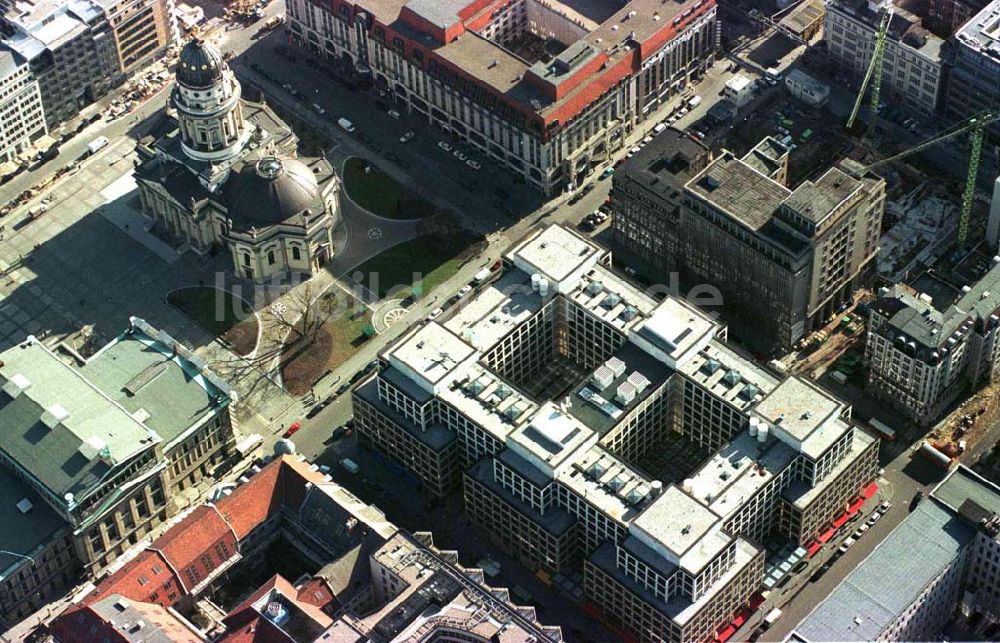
point(345, 124)
point(694, 101)
point(350, 465)
point(97, 144)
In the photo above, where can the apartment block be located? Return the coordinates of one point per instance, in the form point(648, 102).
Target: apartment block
point(547, 90)
point(922, 357)
point(22, 119)
point(100, 450)
point(775, 262)
point(942, 559)
point(557, 379)
point(911, 62)
point(945, 17)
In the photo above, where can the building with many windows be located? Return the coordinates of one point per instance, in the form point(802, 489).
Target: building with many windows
point(944, 557)
point(22, 119)
point(973, 59)
point(545, 393)
point(78, 50)
point(101, 450)
point(223, 173)
point(911, 63)
point(365, 579)
point(547, 89)
point(775, 261)
point(920, 357)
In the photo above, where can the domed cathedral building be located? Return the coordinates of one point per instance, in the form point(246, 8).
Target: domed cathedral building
point(222, 172)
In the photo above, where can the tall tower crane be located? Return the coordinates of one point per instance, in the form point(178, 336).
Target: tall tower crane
point(874, 72)
point(976, 128)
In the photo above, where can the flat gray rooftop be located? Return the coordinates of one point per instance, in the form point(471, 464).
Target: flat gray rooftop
point(890, 578)
point(23, 531)
point(736, 188)
point(963, 484)
point(148, 380)
point(814, 200)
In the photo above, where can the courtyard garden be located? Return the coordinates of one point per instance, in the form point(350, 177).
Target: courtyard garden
point(221, 313)
point(380, 194)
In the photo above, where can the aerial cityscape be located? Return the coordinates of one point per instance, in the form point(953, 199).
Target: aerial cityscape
point(499, 320)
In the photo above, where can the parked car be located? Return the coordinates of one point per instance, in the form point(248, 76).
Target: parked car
point(318, 109)
point(460, 155)
point(293, 429)
point(444, 146)
point(874, 518)
point(343, 388)
point(884, 507)
point(847, 544)
point(434, 314)
point(473, 164)
point(608, 171)
point(465, 290)
point(393, 113)
point(406, 137)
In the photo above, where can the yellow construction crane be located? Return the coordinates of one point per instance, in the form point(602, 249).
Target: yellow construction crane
point(976, 128)
point(874, 72)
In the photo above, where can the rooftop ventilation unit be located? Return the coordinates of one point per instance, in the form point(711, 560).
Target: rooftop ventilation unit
point(626, 393)
point(731, 379)
point(611, 301)
point(54, 416)
point(16, 385)
point(596, 470)
point(639, 381)
point(503, 392)
point(514, 411)
point(634, 496)
point(616, 483)
point(594, 288)
point(630, 313)
point(616, 365)
point(749, 392)
point(710, 366)
point(602, 377)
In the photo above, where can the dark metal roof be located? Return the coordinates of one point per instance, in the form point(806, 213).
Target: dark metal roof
point(200, 65)
point(271, 191)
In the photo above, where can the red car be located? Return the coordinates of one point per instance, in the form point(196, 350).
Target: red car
point(292, 429)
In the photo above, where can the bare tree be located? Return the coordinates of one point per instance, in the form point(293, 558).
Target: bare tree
point(304, 312)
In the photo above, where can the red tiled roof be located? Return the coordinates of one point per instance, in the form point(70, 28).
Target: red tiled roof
point(146, 578)
point(282, 482)
point(84, 624)
point(200, 544)
point(254, 628)
point(280, 584)
point(315, 592)
point(191, 543)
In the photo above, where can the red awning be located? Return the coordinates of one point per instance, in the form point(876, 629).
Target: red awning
point(870, 490)
point(841, 519)
point(726, 633)
point(742, 617)
point(826, 535)
point(756, 601)
point(853, 509)
point(813, 548)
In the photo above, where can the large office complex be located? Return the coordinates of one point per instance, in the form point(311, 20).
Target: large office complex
point(945, 17)
point(22, 119)
point(80, 49)
point(548, 89)
point(911, 64)
point(783, 260)
point(941, 559)
point(543, 393)
point(95, 453)
point(367, 580)
point(921, 357)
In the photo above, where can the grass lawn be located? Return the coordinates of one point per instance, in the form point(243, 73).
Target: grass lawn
point(303, 361)
point(381, 194)
point(434, 257)
point(220, 313)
